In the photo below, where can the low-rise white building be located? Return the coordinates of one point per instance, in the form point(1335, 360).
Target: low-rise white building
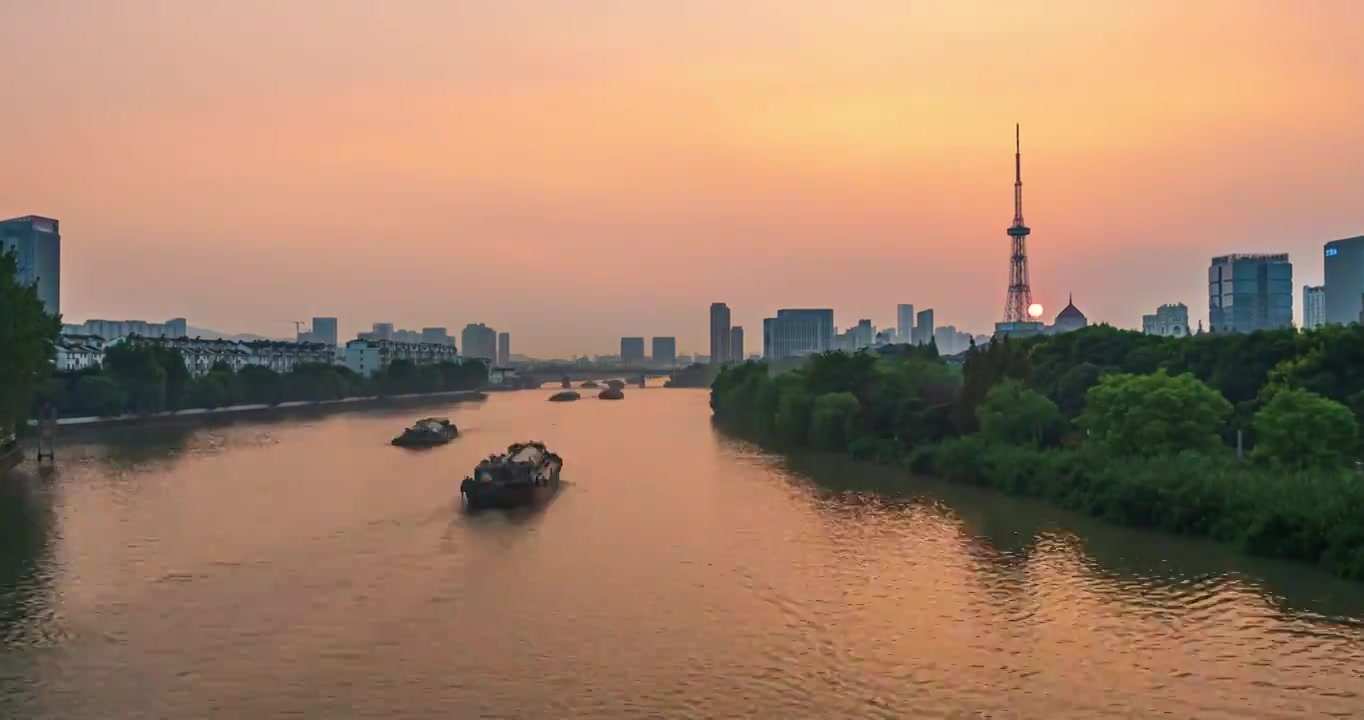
point(368, 356)
point(79, 352)
point(282, 357)
point(201, 355)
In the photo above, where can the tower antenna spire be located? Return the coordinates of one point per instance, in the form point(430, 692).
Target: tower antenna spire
point(1019, 298)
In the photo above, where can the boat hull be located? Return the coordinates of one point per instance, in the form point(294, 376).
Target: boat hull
point(421, 443)
point(503, 495)
point(490, 496)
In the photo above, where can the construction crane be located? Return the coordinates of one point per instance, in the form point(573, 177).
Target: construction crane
point(298, 328)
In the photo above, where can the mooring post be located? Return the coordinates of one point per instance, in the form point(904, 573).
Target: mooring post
point(47, 432)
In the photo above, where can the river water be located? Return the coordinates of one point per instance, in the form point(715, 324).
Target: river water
point(302, 567)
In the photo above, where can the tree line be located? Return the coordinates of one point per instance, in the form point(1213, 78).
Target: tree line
point(143, 378)
point(27, 336)
point(1136, 429)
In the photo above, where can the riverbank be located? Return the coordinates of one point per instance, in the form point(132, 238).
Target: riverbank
point(11, 454)
point(1144, 451)
point(1311, 517)
point(235, 410)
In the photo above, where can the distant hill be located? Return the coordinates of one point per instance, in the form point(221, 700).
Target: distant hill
point(208, 334)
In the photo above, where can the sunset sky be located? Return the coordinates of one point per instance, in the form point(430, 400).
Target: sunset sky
point(572, 171)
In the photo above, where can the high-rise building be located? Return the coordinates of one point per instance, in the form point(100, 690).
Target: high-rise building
point(324, 330)
point(434, 335)
point(37, 246)
point(503, 349)
point(862, 335)
point(383, 331)
point(736, 344)
point(797, 333)
point(1170, 320)
point(664, 351)
point(632, 351)
point(177, 328)
point(479, 341)
point(719, 333)
point(1250, 292)
point(1313, 306)
point(904, 323)
point(950, 340)
point(923, 327)
point(1344, 280)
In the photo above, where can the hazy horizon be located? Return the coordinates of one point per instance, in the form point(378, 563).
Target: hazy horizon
point(574, 172)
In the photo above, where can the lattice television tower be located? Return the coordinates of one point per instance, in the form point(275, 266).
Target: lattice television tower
point(1020, 293)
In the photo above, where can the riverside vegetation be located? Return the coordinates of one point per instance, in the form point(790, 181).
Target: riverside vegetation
point(147, 378)
point(1135, 429)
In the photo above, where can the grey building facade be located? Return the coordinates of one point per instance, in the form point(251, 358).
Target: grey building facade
point(632, 350)
point(1250, 292)
point(719, 333)
point(37, 245)
point(324, 330)
point(1313, 306)
point(798, 332)
point(663, 350)
point(1344, 288)
point(904, 323)
point(503, 349)
point(478, 341)
point(736, 344)
point(923, 327)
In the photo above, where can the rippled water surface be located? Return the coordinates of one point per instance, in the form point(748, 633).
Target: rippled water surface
point(304, 567)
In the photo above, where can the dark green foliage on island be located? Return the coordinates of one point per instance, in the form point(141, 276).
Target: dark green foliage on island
point(696, 375)
point(146, 378)
point(27, 338)
point(1135, 429)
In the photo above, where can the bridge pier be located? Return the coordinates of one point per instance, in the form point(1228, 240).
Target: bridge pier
point(564, 381)
point(641, 380)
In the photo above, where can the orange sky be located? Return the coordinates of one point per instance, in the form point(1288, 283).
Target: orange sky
point(576, 170)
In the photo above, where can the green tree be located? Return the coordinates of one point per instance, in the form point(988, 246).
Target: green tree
point(217, 388)
point(400, 377)
point(1155, 414)
point(792, 421)
point(99, 395)
point(833, 420)
point(1016, 415)
point(1299, 429)
point(261, 385)
point(1001, 359)
point(1072, 387)
point(136, 367)
point(28, 336)
point(177, 381)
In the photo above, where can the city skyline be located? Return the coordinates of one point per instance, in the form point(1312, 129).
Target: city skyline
point(786, 157)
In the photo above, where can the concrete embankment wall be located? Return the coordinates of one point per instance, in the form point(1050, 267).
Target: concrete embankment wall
point(343, 404)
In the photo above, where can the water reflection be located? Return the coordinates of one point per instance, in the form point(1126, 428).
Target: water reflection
point(27, 526)
point(305, 567)
point(1009, 530)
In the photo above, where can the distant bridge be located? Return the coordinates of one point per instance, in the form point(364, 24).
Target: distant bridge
point(537, 375)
